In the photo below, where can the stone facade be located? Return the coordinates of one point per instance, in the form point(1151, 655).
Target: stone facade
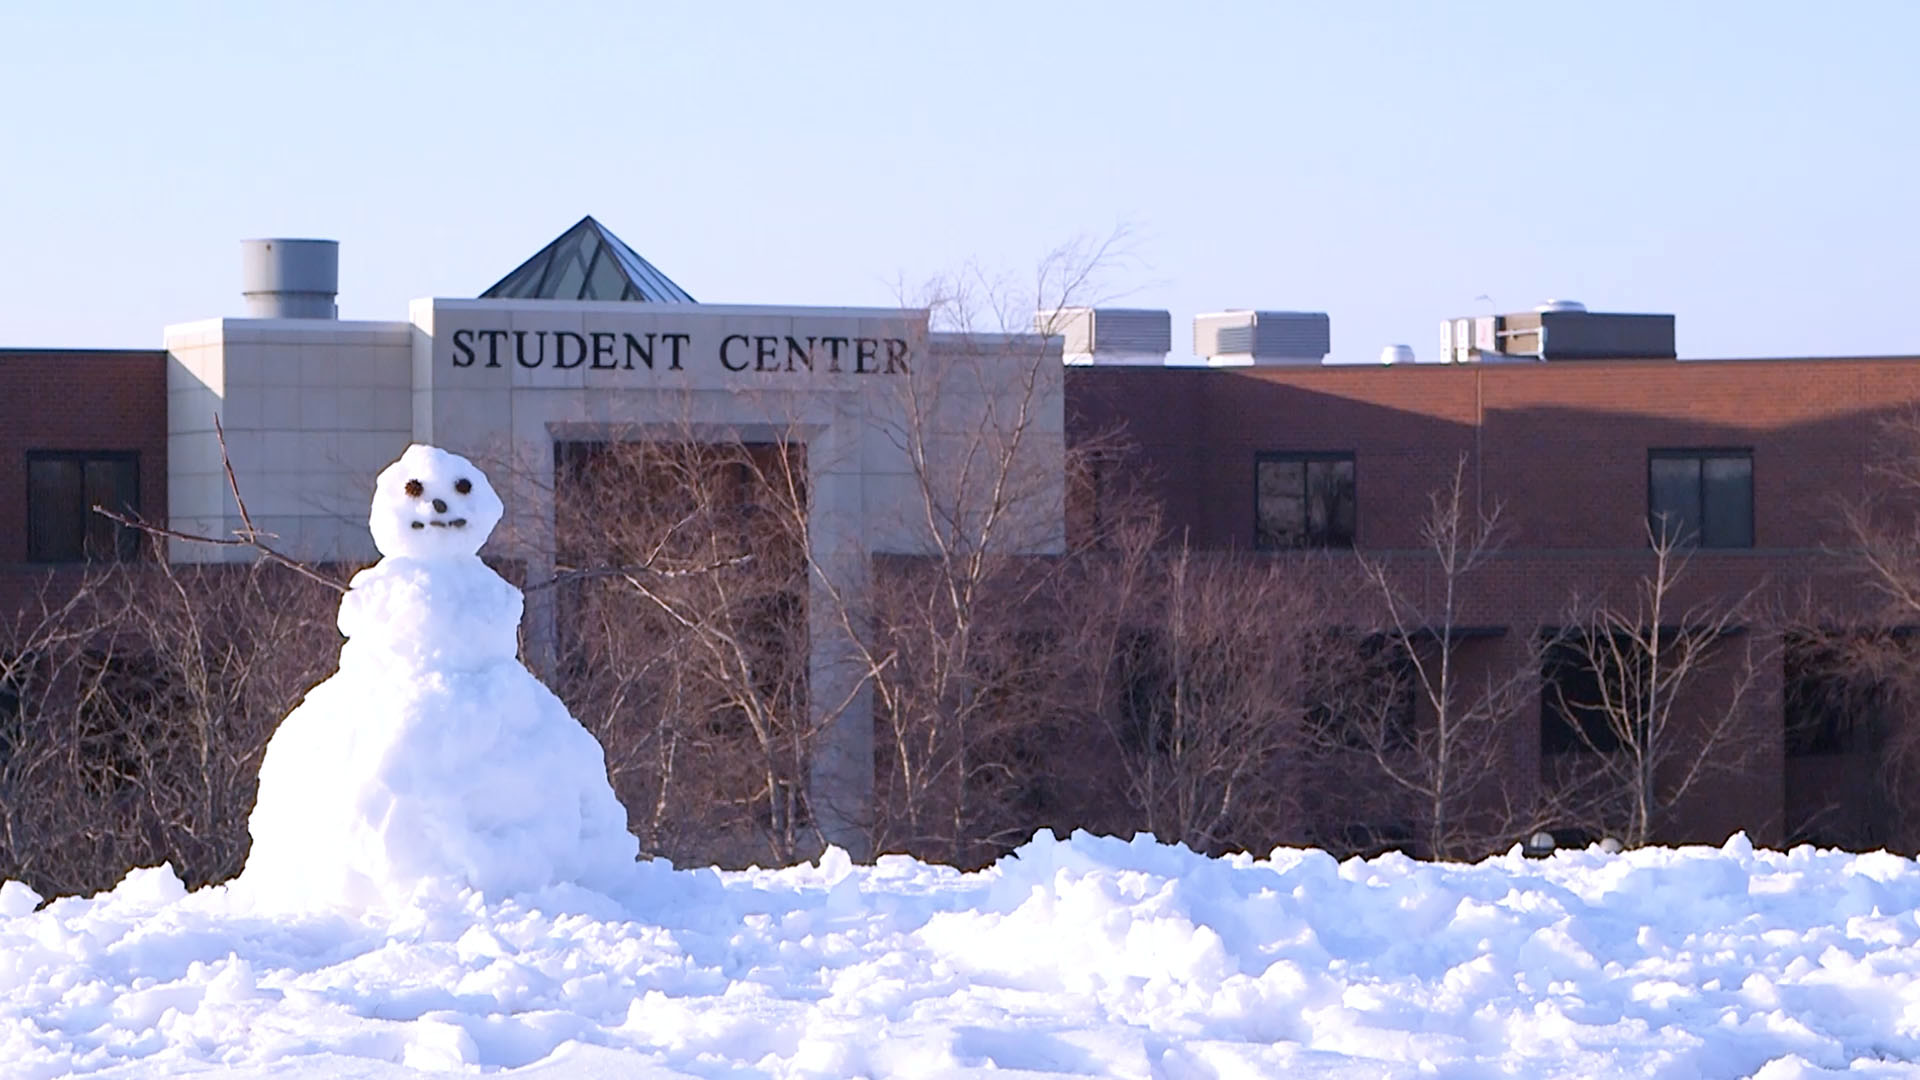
point(311, 409)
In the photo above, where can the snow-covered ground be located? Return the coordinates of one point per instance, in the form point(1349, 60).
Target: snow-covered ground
point(1084, 957)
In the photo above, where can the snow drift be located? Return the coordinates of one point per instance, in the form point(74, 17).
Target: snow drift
point(1088, 957)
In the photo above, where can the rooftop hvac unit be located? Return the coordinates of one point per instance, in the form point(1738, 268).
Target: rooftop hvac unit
point(1109, 335)
point(1486, 333)
point(1262, 337)
point(1465, 340)
point(1458, 339)
point(1559, 330)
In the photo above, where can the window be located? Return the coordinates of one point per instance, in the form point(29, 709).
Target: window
point(1702, 497)
point(1369, 699)
point(14, 676)
point(1589, 689)
point(62, 490)
point(1830, 705)
point(1303, 501)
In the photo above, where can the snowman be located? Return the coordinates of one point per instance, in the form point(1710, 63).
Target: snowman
point(432, 758)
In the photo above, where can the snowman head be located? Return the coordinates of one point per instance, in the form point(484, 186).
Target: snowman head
point(432, 505)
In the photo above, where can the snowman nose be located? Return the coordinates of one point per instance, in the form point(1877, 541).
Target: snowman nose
point(439, 506)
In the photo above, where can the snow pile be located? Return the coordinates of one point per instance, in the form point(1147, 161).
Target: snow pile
point(432, 759)
point(1089, 957)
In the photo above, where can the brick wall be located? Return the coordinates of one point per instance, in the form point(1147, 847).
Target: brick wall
point(1562, 448)
point(1563, 445)
point(76, 399)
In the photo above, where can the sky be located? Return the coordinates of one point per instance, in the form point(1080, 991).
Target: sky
point(1752, 168)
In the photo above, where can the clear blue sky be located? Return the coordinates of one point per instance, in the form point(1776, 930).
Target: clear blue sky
point(1753, 168)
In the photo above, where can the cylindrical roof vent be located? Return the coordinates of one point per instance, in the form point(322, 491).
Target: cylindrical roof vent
point(1560, 305)
point(1397, 354)
point(290, 279)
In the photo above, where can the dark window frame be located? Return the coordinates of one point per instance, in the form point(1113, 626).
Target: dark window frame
point(1574, 725)
point(18, 680)
point(1583, 661)
point(127, 541)
point(1380, 656)
point(1702, 454)
point(1304, 458)
point(1828, 706)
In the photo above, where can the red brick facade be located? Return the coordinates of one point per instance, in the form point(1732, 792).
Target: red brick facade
point(76, 399)
point(1563, 445)
point(1563, 449)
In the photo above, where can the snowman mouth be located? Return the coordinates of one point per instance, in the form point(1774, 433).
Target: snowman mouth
point(456, 523)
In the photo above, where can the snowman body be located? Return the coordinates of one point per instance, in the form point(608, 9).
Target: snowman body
point(432, 756)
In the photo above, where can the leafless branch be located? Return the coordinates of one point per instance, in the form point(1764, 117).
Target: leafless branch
point(247, 536)
point(1647, 741)
point(1414, 718)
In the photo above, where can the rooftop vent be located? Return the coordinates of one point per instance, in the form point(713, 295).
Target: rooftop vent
point(1558, 330)
point(1109, 335)
point(1236, 338)
point(290, 279)
point(1397, 354)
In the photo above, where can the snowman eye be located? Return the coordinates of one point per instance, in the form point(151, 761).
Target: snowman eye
point(463, 485)
point(414, 489)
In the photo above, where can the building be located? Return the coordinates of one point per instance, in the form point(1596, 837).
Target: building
point(585, 341)
point(1582, 425)
point(1754, 459)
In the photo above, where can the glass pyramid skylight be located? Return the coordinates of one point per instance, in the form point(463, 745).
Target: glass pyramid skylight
point(587, 262)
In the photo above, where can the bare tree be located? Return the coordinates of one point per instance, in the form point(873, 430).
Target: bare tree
point(684, 574)
point(1847, 686)
point(48, 761)
point(949, 635)
point(1883, 526)
point(1631, 682)
point(685, 578)
point(248, 535)
point(1870, 646)
point(137, 697)
point(1428, 732)
point(137, 708)
point(1206, 697)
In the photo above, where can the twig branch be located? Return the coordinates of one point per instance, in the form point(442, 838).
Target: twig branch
point(568, 575)
point(247, 536)
point(246, 541)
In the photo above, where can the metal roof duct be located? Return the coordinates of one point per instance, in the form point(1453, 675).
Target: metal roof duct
point(1228, 338)
point(1109, 335)
point(290, 279)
